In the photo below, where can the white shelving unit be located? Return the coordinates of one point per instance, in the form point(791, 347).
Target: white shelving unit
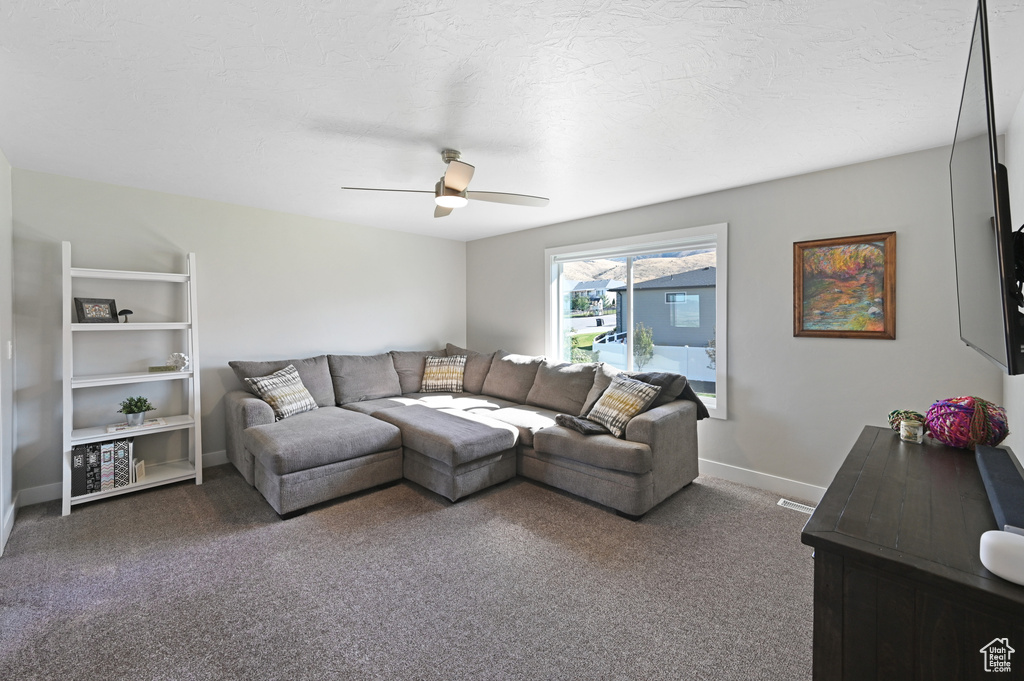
point(77, 385)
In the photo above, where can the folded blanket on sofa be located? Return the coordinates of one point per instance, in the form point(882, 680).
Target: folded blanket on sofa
point(688, 394)
point(664, 380)
point(580, 425)
point(673, 387)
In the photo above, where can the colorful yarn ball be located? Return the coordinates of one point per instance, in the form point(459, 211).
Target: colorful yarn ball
point(898, 416)
point(967, 421)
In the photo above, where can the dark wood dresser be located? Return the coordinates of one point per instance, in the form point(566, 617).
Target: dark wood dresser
point(899, 588)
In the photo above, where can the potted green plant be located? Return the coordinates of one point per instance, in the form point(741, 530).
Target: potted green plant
point(134, 409)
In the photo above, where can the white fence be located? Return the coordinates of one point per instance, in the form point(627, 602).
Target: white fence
point(690, 362)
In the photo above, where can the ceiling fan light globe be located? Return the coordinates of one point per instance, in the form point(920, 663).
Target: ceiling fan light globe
point(446, 197)
point(451, 201)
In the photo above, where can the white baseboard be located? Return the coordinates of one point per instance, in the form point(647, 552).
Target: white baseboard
point(8, 524)
point(792, 489)
point(218, 458)
point(37, 495)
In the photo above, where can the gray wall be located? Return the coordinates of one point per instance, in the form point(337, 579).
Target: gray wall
point(271, 286)
point(6, 365)
point(796, 405)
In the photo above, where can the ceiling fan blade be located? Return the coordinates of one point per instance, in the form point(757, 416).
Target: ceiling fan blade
point(375, 189)
point(515, 199)
point(458, 175)
point(441, 211)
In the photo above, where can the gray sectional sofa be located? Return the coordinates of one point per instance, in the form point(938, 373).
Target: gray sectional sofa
point(372, 425)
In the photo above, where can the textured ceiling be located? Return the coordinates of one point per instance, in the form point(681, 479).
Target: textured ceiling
point(599, 105)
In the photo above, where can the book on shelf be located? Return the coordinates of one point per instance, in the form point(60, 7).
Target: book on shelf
point(148, 423)
point(79, 470)
point(106, 466)
point(139, 469)
point(101, 466)
point(92, 468)
point(122, 462)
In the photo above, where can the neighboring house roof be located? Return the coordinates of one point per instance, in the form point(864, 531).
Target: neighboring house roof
point(597, 285)
point(694, 278)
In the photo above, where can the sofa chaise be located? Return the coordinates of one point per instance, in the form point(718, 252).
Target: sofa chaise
point(455, 422)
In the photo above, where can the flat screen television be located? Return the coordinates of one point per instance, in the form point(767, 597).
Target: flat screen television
point(991, 320)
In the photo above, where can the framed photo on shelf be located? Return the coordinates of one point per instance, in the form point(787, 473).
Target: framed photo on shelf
point(845, 287)
point(96, 310)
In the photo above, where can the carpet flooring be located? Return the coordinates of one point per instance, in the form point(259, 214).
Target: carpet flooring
point(520, 581)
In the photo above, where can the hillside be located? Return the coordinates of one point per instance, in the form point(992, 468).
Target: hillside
point(644, 269)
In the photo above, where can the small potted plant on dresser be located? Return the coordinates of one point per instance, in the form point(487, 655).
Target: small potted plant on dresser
point(134, 409)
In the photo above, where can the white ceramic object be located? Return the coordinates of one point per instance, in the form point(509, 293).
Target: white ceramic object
point(1003, 554)
point(179, 360)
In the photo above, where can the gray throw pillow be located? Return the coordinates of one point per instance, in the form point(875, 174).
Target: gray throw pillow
point(477, 366)
point(409, 365)
point(511, 376)
point(313, 372)
point(363, 377)
point(562, 386)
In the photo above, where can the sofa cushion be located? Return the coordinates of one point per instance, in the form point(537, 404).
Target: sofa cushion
point(449, 436)
point(284, 392)
point(603, 375)
point(601, 451)
point(409, 366)
point(313, 371)
point(527, 420)
point(511, 376)
point(371, 407)
point(477, 366)
point(561, 386)
point(624, 399)
point(363, 377)
point(443, 374)
point(318, 438)
point(459, 401)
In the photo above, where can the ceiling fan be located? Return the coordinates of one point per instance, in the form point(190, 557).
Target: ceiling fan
point(450, 191)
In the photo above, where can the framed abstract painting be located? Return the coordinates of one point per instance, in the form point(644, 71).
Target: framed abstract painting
point(845, 287)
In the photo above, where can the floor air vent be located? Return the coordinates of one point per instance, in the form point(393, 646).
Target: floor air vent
point(786, 503)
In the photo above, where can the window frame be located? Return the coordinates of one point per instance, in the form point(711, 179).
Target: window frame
point(641, 244)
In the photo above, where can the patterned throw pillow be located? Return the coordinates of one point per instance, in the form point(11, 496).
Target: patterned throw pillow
point(624, 399)
point(283, 390)
point(443, 374)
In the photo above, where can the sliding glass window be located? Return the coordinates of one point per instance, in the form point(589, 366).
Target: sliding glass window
point(655, 302)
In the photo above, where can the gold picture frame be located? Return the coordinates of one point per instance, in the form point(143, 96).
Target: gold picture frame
point(845, 287)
